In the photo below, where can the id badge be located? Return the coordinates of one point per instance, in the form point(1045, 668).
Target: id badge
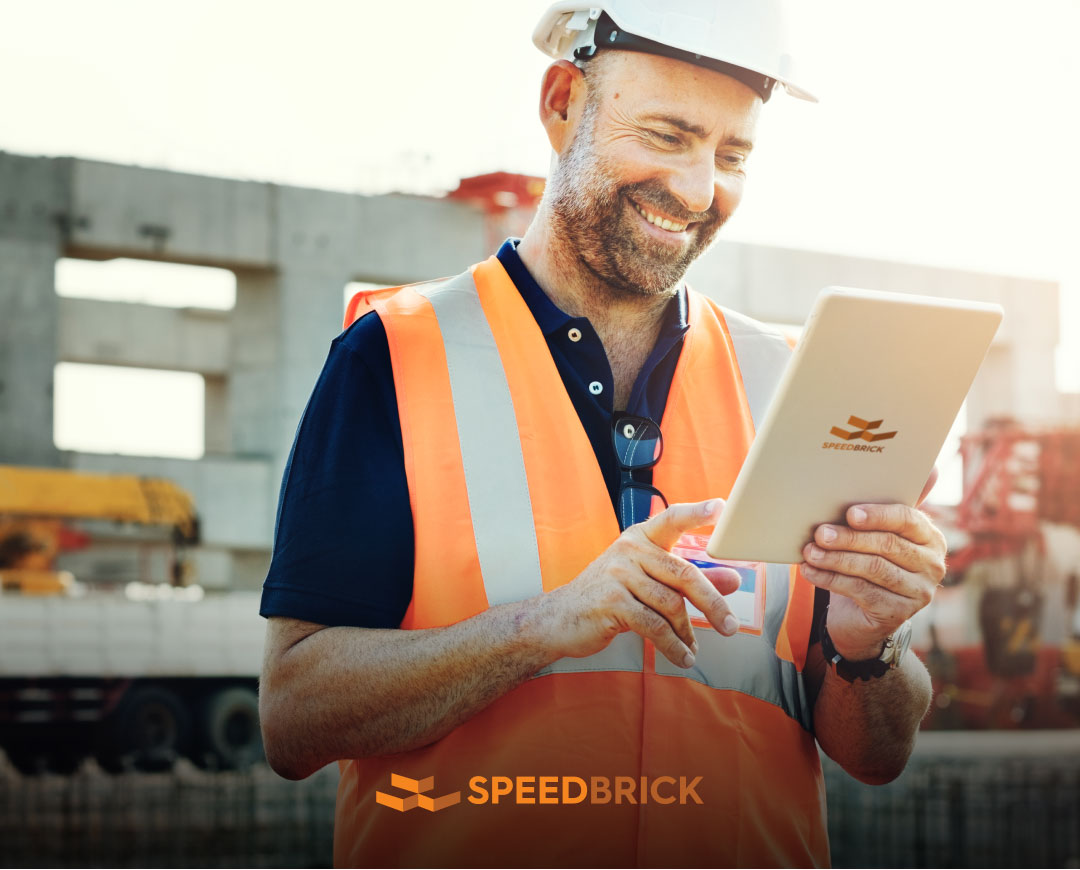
point(747, 602)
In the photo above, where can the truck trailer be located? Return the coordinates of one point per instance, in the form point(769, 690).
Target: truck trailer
point(135, 679)
point(135, 674)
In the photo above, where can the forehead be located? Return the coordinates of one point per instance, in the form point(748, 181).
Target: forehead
point(639, 83)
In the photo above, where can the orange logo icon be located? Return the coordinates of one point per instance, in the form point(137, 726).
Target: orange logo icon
point(416, 797)
point(862, 430)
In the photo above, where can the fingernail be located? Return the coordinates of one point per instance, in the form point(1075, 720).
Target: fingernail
point(688, 660)
point(828, 534)
point(711, 505)
point(816, 552)
point(730, 624)
point(858, 515)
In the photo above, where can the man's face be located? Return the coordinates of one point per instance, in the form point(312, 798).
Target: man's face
point(656, 165)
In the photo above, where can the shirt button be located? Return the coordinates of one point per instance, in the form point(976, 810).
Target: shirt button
point(596, 388)
point(574, 334)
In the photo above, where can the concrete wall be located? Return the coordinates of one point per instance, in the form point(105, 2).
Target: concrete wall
point(292, 251)
point(33, 193)
point(149, 336)
point(779, 285)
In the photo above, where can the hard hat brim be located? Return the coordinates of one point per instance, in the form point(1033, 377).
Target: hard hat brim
point(563, 27)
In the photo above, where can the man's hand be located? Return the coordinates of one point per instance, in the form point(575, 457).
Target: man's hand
point(329, 693)
point(882, 568)
point(637, 585)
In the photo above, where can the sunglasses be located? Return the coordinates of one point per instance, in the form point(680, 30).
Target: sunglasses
point(638, 446)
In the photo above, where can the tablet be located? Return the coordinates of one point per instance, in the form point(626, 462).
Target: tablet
point(859, 416)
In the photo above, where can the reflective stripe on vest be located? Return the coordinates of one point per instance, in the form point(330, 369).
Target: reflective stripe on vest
point(625, 653)
point(745, 662)
point(495, 478)
point(763, 355)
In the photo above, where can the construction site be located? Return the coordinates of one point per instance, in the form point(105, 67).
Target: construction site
point(130, 640)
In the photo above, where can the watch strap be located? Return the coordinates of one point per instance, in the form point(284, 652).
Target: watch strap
point(851, 671)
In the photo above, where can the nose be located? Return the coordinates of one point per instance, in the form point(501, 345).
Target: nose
point(694, 184)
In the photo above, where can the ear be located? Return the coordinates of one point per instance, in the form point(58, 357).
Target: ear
point(562, 95)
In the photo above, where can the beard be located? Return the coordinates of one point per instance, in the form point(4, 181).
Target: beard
point(595, 217)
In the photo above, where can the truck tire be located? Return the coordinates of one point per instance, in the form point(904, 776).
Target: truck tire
point(149, 730)
point(229, 734)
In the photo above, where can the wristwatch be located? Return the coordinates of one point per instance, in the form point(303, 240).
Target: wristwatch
point(896, 646)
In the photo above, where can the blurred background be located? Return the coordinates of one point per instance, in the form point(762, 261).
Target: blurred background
point(189, 194)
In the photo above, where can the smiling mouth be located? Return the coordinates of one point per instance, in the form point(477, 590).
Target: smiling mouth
point(658, 220)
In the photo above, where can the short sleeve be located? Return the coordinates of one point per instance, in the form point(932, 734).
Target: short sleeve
point(343, 539)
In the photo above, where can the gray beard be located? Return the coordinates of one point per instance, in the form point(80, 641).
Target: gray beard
point(596, 222)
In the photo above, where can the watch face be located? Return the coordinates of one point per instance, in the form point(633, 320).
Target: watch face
point(901, 641)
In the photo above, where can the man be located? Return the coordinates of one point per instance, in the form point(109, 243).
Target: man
point(463, 471)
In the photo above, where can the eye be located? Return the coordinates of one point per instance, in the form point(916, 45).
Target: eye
point(731, 160)
point(666, 138)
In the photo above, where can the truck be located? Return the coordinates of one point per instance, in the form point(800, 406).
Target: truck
point(135, 675)
point(1002, 637)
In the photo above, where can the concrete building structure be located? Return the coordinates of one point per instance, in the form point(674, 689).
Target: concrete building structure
point(292, 251)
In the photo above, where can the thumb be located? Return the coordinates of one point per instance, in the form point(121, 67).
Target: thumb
point(665, 528)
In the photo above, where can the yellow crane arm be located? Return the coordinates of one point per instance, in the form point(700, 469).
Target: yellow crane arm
point(53, 492)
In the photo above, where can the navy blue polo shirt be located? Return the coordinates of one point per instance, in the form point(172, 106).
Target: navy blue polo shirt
point(343, 540)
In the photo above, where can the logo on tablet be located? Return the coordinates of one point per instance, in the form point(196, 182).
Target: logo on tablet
point(862, 430)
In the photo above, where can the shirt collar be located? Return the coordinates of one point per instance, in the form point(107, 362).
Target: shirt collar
point(550, 318)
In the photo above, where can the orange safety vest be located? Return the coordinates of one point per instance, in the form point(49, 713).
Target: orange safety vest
point(508, 501)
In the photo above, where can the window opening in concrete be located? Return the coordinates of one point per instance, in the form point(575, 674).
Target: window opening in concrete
point(137, 412)
point(170, 285)
point(354, 287)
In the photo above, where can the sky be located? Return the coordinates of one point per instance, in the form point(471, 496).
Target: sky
point(946, 133)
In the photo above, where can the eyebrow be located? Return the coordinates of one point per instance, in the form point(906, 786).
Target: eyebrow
point(699, 131)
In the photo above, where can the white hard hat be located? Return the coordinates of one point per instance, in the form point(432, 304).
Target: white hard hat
point(745, 39)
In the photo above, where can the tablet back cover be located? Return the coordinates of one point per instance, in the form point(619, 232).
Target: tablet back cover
point(859, 416)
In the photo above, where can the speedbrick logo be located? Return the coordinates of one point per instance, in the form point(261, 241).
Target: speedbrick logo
point(546, 790)
point(416, 797)
point(862, 432)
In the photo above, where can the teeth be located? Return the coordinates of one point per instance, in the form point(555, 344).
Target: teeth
point(663, 223)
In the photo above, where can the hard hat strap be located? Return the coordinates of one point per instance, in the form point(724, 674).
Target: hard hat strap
point(607, 34)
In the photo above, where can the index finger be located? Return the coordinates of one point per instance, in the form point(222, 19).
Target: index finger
point(905, 521)
point(665, 528)
point(691, 583)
